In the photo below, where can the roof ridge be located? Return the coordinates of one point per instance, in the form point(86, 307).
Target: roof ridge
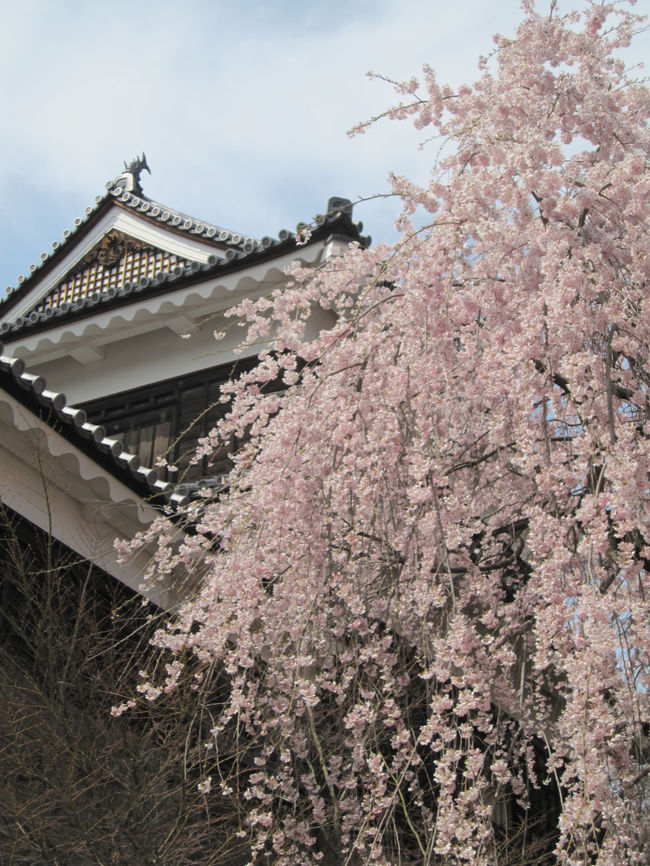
point(55, 246)
point(328, 226)
point(125, 189)
point(171, 216)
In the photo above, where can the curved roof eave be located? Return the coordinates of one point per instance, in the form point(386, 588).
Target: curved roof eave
point(238, 247)
point(146, 208)
point(90, 439)
point(182, 278)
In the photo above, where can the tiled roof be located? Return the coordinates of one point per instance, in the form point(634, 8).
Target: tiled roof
point(145, 207)
point(236, 245)
point(175, 219)
point(31, 391)
point(337, 221)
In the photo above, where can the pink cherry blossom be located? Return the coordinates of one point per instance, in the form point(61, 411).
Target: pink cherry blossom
point(431, 598)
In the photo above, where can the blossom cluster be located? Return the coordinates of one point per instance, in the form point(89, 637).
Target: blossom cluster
point(431, 596)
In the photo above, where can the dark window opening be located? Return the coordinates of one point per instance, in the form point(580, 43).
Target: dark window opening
point(168, 419)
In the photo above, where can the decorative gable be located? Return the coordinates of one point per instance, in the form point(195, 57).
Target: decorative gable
point(114, 261)
point(102, 314)
point(123, 239)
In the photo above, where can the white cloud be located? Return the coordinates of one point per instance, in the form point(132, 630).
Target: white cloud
point(242, 109)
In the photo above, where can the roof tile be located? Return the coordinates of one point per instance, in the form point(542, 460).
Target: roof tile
point(71, 422)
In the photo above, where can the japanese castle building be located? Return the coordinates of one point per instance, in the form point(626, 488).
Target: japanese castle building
point(110, 360)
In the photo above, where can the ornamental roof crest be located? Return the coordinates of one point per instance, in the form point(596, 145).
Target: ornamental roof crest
point(129, 179)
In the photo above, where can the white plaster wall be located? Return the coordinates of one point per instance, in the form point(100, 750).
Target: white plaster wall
point(153, 355)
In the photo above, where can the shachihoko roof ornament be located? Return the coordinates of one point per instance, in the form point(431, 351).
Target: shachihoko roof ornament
point(129, 180)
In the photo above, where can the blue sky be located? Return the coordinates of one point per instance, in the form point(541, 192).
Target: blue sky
point(242, 108)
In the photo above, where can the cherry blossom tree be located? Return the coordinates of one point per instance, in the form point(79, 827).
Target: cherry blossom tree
point(428, 584)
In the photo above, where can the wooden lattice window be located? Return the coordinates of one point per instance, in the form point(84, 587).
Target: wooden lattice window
point(116, 260)
point(169, 418)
